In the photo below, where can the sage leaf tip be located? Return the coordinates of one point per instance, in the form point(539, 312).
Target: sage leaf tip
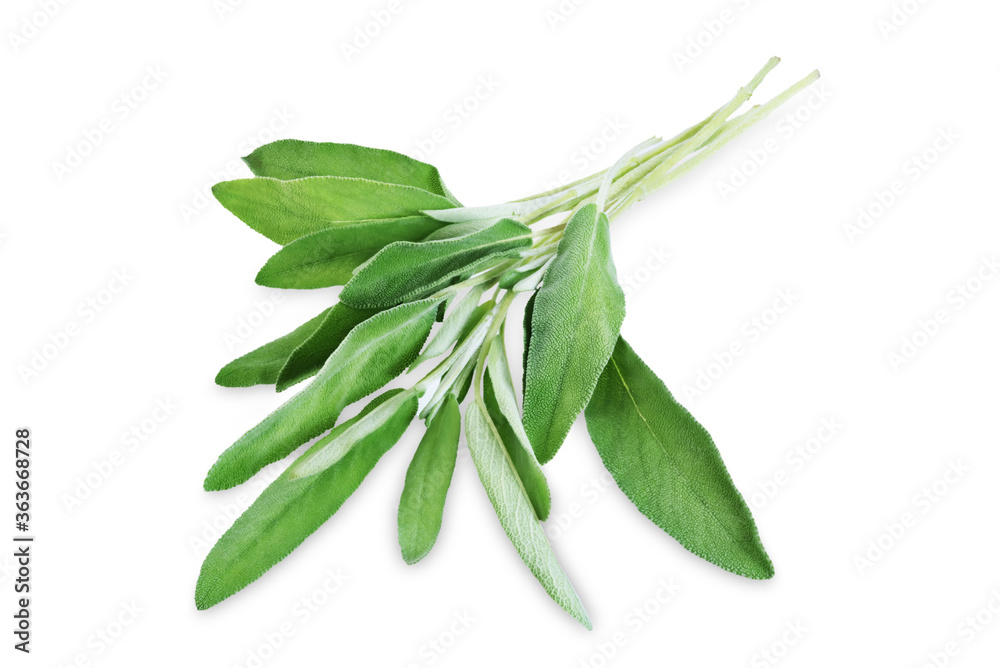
point(214, 481)
point(226, 378)
point(667, 464)
point(428, 477)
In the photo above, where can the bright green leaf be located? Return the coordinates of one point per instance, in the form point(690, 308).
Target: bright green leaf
point(406, 270)
point(529, 311)
point(283, 211)
point(454, 326)
point(329, 257)
point(427, 480)
point(293, 159)
point(452, 230)
point(513, 277)
point(287, 512)
point(332, 448)
point(263, 365)
point(310, 355)
point(667, 464)
point(574, 325)
point(375, 352)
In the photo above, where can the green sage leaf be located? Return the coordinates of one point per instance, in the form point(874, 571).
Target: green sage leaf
point(574, 325)
point(515, 511)
point(529, 311)
point(283, 211)
point(501, 403)
point(454, 326)
point(293, 159)
point(372, 354)
point(428, 477)
point(332, 448)
point(263, 365)
point(310, 355)
point(329, 257)
point(287, 512)
point(667, 464)
point(406, 270)
point(452, 230)
point(514, 277)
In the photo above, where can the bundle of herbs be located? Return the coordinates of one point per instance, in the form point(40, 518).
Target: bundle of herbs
point(410, 256)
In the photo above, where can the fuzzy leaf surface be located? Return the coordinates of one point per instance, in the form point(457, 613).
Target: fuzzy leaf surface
point(283, 211)
point(421, 506)
point(372, 354)
point(263, 365)
point(454, 326)
point(407, 270)
point(501, 403)
point(288, 159)
point(287, 512)
point(515, 511)
point(669, 467)
point(329, 257)
point(310, 355)
point(575, 320)
point(333, 447)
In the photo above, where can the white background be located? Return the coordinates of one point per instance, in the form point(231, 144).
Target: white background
point(135, 204)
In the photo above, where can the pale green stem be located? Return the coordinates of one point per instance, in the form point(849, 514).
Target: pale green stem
point(659, 178)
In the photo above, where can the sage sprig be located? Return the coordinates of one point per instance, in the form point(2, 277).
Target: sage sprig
point(409, 256)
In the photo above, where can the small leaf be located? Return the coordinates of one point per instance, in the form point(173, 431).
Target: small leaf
point(406, 270)
point(667, 464)
point(574, 325)
point(329, 257)
point(516, 275)
point(375, 352)
point(283, 211)
point(262, 366)
point(530, 282)
point(310, 355)
point(332, 448)
point(461, 358)
point(501, 403)
point(287, 512)
point(427, 480)
point(454, 326)
point(514, 509)
point(292, 159)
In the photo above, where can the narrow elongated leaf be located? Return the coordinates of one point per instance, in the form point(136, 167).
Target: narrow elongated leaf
point(407, 270)
point(287, 512)
point(332, 448)
point(452, 230)
point(514, 509)
point(375, 352)
point(667, 464)
point(283, 211)
point(529, 311)
point(574, 325)
point(501, 402)
point(464, 354)
point(310, 355)
point(293, 159)
point(531, 282)
point(453, 327)
point(263, 365)
point(512, 277)
point(428, 477)
point(329, 257)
